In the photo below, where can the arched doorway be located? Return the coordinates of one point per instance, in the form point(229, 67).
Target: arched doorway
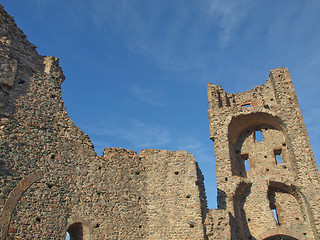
point(75, 231)
point(259, 142)
point(280, 237)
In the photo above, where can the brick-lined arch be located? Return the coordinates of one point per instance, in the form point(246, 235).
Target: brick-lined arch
point(281, 233)
point(13, 199)
point(239, 199)
point(241, 132)
point(243, 121)
point(259, 153)
point(295, 192)
point(75, 231)
point(281, 237)
point(79, 228)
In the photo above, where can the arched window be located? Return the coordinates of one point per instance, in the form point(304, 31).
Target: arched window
point(258, 142)
point(280, 237)
point(75, 231)
point(284, 204)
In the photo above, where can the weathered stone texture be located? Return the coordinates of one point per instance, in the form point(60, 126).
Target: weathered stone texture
point(277, 172)
point(174, 195)
point(36, 136)
point(217, 224)
point(52, 181)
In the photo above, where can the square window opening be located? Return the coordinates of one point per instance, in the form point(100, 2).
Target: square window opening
point(246, 104)
point(275, 215)
point(277, 156)
point(245, 159)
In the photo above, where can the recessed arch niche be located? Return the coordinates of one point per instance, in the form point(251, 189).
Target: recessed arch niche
point(288, 203)
point(292, 205)
point(75, 231)
point(249, 151)
point(78, 229)
point(280, 237)
point(239, 199)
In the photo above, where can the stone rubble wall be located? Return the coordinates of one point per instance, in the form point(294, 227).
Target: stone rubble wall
point(36, 136)
point(174, 195)
point(248, 194)
point(51, 177)
point(218, 224)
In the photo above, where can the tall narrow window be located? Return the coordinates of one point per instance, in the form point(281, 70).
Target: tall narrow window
point(258, 136)
point(246, 165)
point(275, 215)
point(245, 159)
point(75, 232)
point(277, 155)
point(246, 105)
point(68, 236)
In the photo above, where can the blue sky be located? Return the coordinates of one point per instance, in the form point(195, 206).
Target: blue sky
point(136, 70)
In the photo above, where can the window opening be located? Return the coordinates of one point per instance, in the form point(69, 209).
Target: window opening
point(246, 165)
point(246, 105)
point(275, 215)
point(75, 232)
point(277, 155)
point(245, 159)
point(258, 135)
point(278, 158)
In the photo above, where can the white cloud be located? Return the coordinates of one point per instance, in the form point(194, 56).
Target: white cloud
point(137, 133)
point(311, 117)
point(176, 35)
point(147, 95)
point(147, 135)
point(202, 153)
point(227, 15)
point(190, 144)
point(41, 3)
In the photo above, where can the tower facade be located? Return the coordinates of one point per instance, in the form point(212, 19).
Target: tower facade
point(267, 178)
point(52, 182)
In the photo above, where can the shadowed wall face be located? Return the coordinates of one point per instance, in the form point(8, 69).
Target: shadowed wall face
point(52, 181)
point(75, 231)
point(266, 173)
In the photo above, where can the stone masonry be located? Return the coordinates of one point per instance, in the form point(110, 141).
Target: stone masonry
point(267, 178)
point(52, 181)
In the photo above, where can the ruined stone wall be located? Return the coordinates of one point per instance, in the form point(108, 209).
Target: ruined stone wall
point(112, 201)
point(275, 173)
point(217, 224)
point(51, 180)
point(175, 195)
point(156, 194)
point(40, 145)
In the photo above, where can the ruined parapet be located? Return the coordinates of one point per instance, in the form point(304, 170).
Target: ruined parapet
point(176, 204)
point(51, 180)
point(218, 224)
point(264, 160)
point(40, 145)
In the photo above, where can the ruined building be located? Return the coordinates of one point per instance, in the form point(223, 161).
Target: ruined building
point(52, 181)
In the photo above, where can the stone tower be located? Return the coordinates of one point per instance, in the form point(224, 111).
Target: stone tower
point(267, 178)
point(52, 181)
